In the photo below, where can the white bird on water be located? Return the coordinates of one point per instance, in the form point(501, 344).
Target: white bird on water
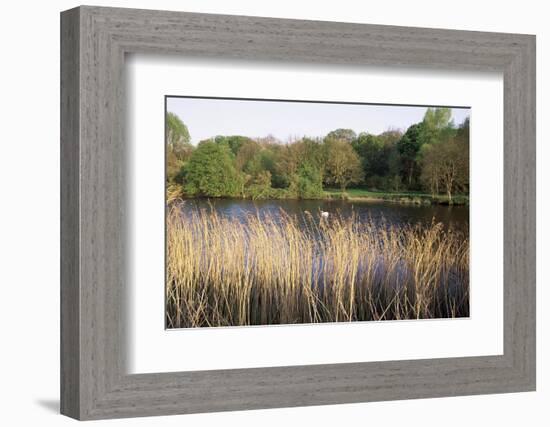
point(324, 214)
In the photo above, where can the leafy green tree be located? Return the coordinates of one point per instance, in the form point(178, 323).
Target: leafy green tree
point(211, 171)
point(256, 163)
point(437, 118)
point(247, 157)
point(234, 141)
point(288, 162)
point(310, 181)
point(463, 131)
point(299, 167)
point(343, 165)
point(446, 165)
point(260, 186)
point(311, 151)
point(178, 148)
point(176, 131)
point(431, 154)
point(437, 126)
point(444, 157)
point(390, 137)
point(371, 150)
point(270, 159)
point(347, 135)
point(266, 159)
point(178, 138)
point(408, 147)
point(391, 159)
point(431, 168)
point(462, 141)
point(395, 182)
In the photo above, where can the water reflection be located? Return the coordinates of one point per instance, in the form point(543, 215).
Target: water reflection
point(380, 213)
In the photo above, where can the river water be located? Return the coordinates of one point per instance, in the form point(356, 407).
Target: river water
point(455, 217)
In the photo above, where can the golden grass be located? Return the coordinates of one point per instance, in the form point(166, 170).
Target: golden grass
point(268, 269)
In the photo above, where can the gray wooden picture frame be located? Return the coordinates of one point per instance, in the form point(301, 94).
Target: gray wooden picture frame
point(94, 41)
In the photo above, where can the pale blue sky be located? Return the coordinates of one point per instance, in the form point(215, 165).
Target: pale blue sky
point(206, 118)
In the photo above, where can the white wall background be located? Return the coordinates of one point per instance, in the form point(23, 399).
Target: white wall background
point(29, 212)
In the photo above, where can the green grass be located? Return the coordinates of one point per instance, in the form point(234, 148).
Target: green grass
point(413, 197)
point(353, 194)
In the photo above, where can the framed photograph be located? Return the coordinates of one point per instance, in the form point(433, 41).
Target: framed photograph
point(261, 213)
point(281, 229)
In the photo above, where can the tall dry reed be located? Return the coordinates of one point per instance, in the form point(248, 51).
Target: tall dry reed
point(273, 269)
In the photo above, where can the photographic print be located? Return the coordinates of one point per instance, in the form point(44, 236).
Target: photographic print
point(302, 212)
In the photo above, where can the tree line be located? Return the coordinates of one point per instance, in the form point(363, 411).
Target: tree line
point(430, 156)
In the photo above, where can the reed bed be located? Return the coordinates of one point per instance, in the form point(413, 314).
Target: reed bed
point(275, 269)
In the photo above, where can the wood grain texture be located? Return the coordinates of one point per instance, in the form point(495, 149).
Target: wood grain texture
point(70, 259)
point(95, 274)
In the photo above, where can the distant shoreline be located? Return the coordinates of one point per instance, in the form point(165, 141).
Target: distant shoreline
point(411, 198)
point(366, 196)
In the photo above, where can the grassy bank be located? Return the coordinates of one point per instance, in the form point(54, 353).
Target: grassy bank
point(352, 194)
point(271, 270)
point(407, 197)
